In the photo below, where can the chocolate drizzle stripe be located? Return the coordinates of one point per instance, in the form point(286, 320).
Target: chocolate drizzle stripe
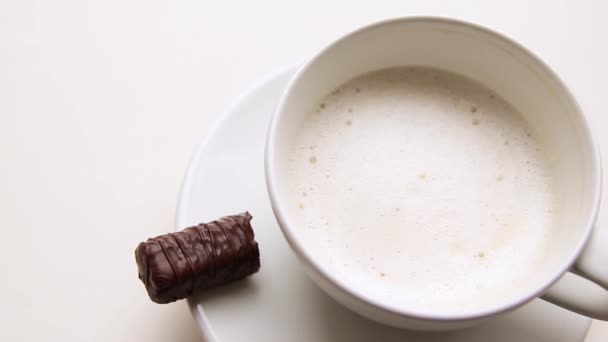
point(240, 247)
point(183, 250)
point(185, 254)
point(249, 236)
point(228, 242)
point(243, 243)
point(209, 255)
point(240, 226)
point(200, 260)
point(159, 241)
point(245, 248)
point(213, 254)
point(226, 254)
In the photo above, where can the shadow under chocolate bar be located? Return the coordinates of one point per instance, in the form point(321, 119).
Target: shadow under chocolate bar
point(173, 266)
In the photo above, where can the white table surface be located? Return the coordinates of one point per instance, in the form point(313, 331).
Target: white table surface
point(103, 102)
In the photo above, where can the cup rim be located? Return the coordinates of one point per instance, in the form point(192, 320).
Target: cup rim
point(305, 256)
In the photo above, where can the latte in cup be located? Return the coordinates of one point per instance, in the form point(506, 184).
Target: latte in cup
point(422, 187)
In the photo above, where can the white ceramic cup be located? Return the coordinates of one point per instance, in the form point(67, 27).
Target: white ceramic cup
point(520, 78)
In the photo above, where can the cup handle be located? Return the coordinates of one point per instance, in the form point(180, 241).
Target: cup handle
point(588, 296)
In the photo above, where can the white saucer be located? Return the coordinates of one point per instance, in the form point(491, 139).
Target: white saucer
point(226, 176)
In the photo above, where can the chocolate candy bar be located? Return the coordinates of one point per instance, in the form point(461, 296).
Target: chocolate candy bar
point(173, 266)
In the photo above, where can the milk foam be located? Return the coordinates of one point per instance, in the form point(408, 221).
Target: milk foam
point(423, 189)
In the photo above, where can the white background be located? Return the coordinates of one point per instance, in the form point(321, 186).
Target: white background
point(103, 102)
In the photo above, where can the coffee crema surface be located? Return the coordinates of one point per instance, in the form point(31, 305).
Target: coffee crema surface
point(423, 189)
